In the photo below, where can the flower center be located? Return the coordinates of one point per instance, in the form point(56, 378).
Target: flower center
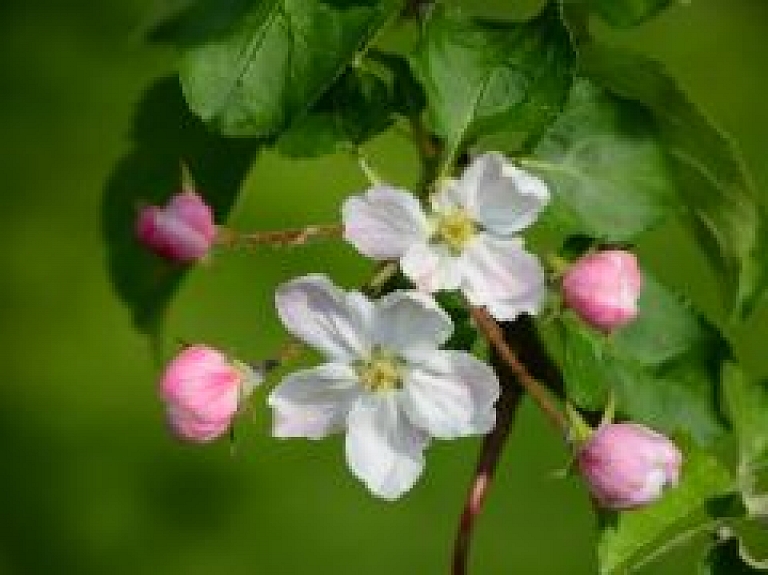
point(380, 372)
point(455, 229)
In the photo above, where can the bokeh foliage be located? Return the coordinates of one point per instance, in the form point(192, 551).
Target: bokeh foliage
point(93, 485)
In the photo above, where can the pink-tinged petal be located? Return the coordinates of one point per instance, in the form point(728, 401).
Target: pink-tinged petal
point(204, 383)
point(384, 222)
point(183, 230)
point(431, 267)
point(450, 394)
point(500, 275)
point(186, 426)
point(192, 209)
point(603, 288)
point(627, 465)
point(313, 403)
point(334, 322)
point(384, 450)
point(410, 321)
point(509, 199)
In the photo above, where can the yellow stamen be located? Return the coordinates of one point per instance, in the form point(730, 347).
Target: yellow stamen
point(381, 372)
point(455, 229)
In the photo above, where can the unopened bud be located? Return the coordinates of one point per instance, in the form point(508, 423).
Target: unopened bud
point(182, 231)
point(603, 288)
point(628, 465)
point(203, 390)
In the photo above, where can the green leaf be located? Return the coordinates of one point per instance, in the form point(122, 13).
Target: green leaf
point(753, 541)
point(630, 539)
point(408, 97)
point(731, 557)
point(165, 134)
point(605, 166)
point(485, 78)
point(360, 106)
point(250, 68)
point(575, 17)
point(464, 333)
point(665, 367)
point(626, 13)
point(722, 206)
point(747, 405)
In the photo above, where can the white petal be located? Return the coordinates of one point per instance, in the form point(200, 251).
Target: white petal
point(314, 402)
point(509, 199)
point(451, 394)
point(384, 222)
point(431, 267)
point(384, 450)
point(410, 320)
point(500, 275)
point(449, 196)
point(330, 320)
point(462, 193)
point(484, 169)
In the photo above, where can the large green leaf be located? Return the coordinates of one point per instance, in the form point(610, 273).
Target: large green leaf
point(625, 13)
point(250, 67)
point(630, 539)
point(359, 106)
point(665, 368)
point(490, 77)
point(722, 206)
point(605, 165)
point(165, 134)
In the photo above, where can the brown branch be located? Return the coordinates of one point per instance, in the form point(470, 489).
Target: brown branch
point(515, 368)
point(495, 336)
point(490, 453)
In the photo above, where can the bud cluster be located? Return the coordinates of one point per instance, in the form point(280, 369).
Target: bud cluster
point(387, 382)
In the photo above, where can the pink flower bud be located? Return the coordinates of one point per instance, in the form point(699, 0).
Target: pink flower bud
point(627, 465)
point(603, 287)
point(203, 390)
point(182, 231)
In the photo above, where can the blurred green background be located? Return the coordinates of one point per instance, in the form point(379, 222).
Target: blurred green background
point(91, 483)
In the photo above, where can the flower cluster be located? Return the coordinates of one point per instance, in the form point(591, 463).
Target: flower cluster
point(387, 382)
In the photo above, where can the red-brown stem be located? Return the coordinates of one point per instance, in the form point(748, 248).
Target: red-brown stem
point(495, 336)
point(292, 237)
point(493, 445)
point(515, 377)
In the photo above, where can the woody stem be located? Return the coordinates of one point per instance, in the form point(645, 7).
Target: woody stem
point(291, 237)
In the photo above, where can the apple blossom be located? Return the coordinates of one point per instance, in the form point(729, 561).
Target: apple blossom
point(182, 231)
point(603, 288)
point(466, 239)
point(203, 390)
point(385, 381)
point(627, 465)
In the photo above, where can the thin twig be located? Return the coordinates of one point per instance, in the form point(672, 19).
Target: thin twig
point(494, 334)
point(279, 238)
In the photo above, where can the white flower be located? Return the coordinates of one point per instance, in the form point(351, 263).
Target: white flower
point(385, 380)
point(467, 240)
